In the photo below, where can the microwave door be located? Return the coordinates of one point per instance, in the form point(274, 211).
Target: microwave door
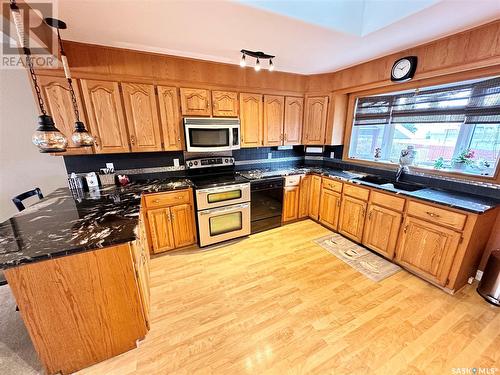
point(208, 138)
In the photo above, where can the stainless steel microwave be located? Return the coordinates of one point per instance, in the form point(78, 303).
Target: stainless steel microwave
point(211, 134)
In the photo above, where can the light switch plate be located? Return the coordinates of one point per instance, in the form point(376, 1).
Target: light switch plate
point(176, 162)
point(269, 155)
point(110, 166)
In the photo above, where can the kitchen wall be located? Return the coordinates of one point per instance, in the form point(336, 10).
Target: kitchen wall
point(22, 166)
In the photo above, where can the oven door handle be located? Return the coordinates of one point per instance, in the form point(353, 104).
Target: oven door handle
point(222, 189)
point(235, 207)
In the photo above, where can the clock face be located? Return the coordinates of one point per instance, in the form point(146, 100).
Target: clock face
point(401, 68)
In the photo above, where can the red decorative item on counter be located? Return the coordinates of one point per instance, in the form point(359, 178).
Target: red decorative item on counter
point(123, 179)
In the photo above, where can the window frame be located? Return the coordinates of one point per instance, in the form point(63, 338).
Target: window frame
point(462, 76)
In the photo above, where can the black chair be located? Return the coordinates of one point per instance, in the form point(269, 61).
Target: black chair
point(18, 201)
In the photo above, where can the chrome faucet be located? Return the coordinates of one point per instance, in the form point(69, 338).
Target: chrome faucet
point(402, 169)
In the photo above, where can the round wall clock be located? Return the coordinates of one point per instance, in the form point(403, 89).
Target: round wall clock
point(404, 69)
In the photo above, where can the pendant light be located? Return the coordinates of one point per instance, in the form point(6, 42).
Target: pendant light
point(46, 137)
point(257, 65)
point(258, 55)
point(80, 137)
point(243, 62)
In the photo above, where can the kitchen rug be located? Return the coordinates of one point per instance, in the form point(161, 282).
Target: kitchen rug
point(362, 260)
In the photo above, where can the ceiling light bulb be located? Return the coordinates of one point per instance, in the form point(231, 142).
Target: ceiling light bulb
point(257, 65)
point(243, 62)
point(271, 65)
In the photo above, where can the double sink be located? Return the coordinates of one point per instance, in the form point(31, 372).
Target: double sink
point(383, 182)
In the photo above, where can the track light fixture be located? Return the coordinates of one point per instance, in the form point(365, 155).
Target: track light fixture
point(258, 56)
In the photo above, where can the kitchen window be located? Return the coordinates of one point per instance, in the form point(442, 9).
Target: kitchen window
point(453, 127)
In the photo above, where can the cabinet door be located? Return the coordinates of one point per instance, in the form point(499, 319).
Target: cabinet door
point(142, 117)
point(251, 120)
point(106, 119)
point(274, 107)
point(352, 218)
point(294, 113)
point(304, 196)
point(171, 123)
point(58, 101)
point(382, 229)
point(291, 203)
point(329, 208)
point(315, 197)
point(183, 225)
point(160, 227)
point(196, 102)
point(315, 120)
point(225, 104)
point(427, 249)
point(141, 265)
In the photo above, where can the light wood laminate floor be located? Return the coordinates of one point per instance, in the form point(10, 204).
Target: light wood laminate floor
point(277, 303)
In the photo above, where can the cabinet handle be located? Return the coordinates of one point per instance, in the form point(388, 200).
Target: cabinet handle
point(132, 139)
point(370, 215)
point(286, 138)
point(156, 201)
point(172, 217)
point(96, 141)
point(405, 228)
point(432, 214)
point(168, 216)
point(179, 139)
point(338, 203)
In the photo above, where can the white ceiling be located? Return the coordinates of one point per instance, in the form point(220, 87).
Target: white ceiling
point(306, 36)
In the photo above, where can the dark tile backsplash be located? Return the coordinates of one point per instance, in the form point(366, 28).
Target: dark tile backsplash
point(92, 163)
point(262, 153)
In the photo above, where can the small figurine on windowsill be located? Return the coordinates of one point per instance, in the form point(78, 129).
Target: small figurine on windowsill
point(378, 154)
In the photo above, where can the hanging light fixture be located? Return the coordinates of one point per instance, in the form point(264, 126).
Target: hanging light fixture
point(80, 137)
point(46, 137)
point(243, 62)
point(258, 56)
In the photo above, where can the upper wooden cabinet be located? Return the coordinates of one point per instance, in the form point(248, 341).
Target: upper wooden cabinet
point(316, 112)
point(142, 117)
point(57, 97)
point(171, 124)
point(196, 102)
point(274, 107)
point(251, 120)
point(225, 104)
point(105, 112)
point(294, 113)
point(428, 249)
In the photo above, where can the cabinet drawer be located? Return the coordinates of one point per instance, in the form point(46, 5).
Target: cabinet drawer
point(292, 180)
point(388, 201)
point(356, 192)
point(330, 184)
point(167, 199)
point(437, 215)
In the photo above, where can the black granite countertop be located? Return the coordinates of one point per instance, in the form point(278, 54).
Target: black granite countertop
point(63, 223)
point(466, 202)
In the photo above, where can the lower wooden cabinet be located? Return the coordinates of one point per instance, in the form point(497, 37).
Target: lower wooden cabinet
point(304, 195)
point(291, 203)
point(140, 254)
point(352, 218)
point(314, 197)
point(173, 224)
point(382, 229)
point(329, 208)
point(427, 249)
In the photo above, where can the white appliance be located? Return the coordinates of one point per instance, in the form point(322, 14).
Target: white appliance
point(211, 134)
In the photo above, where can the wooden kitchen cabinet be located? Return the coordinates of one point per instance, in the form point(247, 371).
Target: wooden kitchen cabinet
point(315, 196)
point(274, 107)
point(316, 112)
point(183, 226)
point(427, 249)
point(329, 208)
point(294, 113)
point(57, 98)
point(171, 124)
point(304, 196)
point(140, 251)
point(142, 117)
point(170, 217)
point(382, 230)
point(225, 104)
point(251, 117)
point(352, 218)
point(196, 102)
point(106, 118)
point(291, 203)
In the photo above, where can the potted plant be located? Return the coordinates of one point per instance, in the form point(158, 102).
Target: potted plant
point(464, 159)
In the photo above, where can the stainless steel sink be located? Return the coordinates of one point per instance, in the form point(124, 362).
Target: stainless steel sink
point(384, 182)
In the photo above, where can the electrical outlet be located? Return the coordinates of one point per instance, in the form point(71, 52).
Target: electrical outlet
point(332, 155)
point(269, 155)
point(110, 166)
point(176, 162)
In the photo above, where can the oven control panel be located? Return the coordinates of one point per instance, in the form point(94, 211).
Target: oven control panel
point(217, 161)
